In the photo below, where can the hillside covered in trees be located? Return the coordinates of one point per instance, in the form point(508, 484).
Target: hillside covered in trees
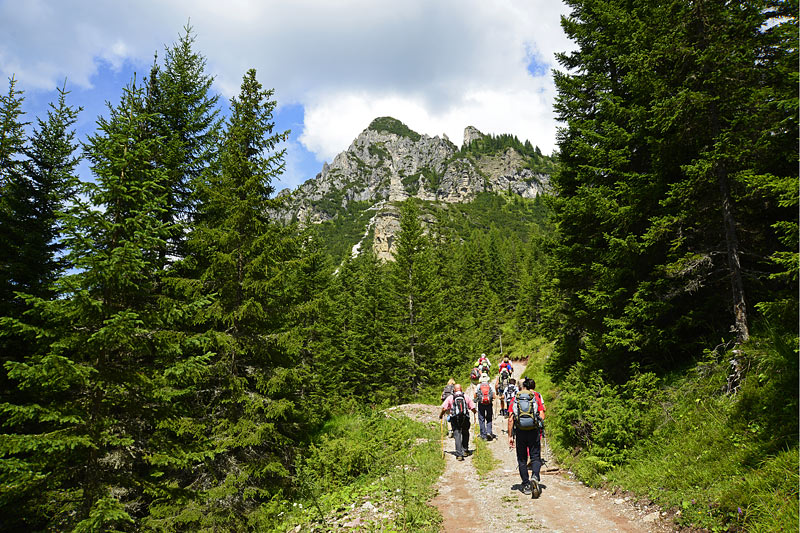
point(177, 359)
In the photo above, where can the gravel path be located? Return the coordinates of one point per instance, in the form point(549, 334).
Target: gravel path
point(495, 502)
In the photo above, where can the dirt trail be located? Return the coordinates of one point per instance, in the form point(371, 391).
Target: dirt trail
point(496, 502)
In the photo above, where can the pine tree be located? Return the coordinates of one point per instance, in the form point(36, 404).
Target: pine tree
point(52, 172)
point(411, 285)
point(14, 191)
point(311, 309)
point(250, 405)
point(78, 452)
point(184, 113)
point(651, 199)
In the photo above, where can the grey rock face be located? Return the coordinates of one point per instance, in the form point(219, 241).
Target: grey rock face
point(381, 167)
point(471, 134)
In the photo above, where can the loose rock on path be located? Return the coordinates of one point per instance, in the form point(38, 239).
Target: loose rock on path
point(496, 503)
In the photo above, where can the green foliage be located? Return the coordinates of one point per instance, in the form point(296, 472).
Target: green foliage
point(86, 409)
point(411, 286)
point(185, 116)
point(602, 420)
point(392, 125)
point(37, 181)
point(378, 150)
point(494, 144)
point(254, 413)
point(349, 460)
point(723, 461)
point(663, 241)
point(483, 460)
point(431, 181)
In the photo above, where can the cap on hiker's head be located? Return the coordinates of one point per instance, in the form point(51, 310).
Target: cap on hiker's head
point(483, 355)
point(484, 377)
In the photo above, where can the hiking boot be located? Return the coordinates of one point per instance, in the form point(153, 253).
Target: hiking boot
point(526, 488)
point(459, 457)
point(536, 488)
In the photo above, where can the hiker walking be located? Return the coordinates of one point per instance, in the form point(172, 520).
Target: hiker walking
point(509, 394)
point(459, 406)
point(501, 384)
point(506, 365)
point(527, 425)
point(446, 392)
point(483, 364)
point(484, 397)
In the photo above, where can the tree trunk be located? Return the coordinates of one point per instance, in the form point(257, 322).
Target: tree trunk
point(734, 264)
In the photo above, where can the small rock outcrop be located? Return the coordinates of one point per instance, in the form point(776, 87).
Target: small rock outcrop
point(471, 134)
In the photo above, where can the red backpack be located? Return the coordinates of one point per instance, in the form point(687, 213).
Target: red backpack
point(485, 393)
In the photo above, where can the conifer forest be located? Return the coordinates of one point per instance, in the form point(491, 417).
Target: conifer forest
point(176, 359)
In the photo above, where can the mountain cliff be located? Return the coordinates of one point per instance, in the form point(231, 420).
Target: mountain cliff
point(388, 163)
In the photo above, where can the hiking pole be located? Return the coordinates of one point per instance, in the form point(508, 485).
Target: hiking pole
point(441, 434)
point(476, 440)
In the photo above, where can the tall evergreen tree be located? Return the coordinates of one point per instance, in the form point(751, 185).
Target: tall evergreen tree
point(652, 197)
point(51, 170)
point(76, 454)
point(184, 114)
point(250, 409)
point(411, 286)
point(14, 190)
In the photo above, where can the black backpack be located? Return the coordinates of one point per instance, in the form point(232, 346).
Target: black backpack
point(459, 413)
point(504, 379)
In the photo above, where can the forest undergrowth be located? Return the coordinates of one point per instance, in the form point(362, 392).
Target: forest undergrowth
point(364, 458)
point(721, 462)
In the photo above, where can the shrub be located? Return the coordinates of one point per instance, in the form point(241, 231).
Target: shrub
point(605, 420)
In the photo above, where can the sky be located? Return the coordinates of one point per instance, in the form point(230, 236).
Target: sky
point(436, 65)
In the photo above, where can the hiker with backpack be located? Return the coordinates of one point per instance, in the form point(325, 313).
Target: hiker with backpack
point(527, 425)
point(500, 385)
point(506, 364)
point(483, 364)
point(484, 398)
point(475, 375)
point(459, 405)
point(509, 394)
point(448, 391)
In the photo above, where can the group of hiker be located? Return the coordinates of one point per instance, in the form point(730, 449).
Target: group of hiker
point(519, 403)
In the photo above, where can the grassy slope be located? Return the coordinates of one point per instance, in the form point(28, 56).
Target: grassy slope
point(723, 462)
point(363, 456)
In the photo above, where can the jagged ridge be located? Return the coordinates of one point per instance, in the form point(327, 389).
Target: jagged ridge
point(388, 162)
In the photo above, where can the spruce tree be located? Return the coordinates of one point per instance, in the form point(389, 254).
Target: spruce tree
point(250, 405)
point(184, 114)
point(51, 170)
point(411, 286)
point(15, 190)
point(76, 453)
point(651, 198)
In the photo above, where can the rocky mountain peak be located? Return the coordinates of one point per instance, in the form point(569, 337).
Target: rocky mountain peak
point(389, 162)
point(471, 133)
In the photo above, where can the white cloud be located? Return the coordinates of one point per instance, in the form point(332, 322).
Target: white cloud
point(437, 66)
